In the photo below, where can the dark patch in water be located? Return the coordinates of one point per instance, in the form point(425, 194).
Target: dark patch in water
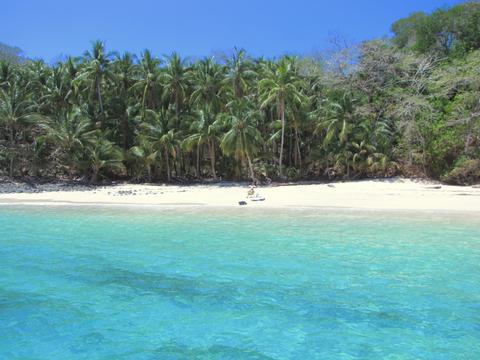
point(175, 351)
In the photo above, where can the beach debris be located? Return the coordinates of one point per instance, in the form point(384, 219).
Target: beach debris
point(242, 203)
point(331, 185)
point(434, 187)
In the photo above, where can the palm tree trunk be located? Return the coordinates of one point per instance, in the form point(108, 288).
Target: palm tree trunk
point(71, 173)
point(99, 94)
point(177, 108)
point(299, 154)
point(468, 138)
point(94, 178)
point(12, 151)
point(250, 167)
point(144, 100)
point(149, 173)
point(198, 161)
point(175, 167)
point(12, 162)
point(168, 166)
point(282, 114)
point(212, 158)
point(187, 161)
point(410, 153)
point(290, 148)
point(125, 132)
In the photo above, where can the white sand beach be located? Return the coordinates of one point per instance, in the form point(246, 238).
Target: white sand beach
point(393, 194)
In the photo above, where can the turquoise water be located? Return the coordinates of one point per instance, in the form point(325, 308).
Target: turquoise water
point(84, 283)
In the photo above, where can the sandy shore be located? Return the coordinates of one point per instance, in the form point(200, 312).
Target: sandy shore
point(393, 194)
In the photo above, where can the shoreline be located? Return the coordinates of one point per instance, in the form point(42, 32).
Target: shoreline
point(389, 194)
point(179, 206)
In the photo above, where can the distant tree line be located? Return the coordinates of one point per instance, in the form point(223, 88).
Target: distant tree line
point(408, 105)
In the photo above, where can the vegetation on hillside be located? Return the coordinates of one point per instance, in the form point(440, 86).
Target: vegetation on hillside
point(407, 105)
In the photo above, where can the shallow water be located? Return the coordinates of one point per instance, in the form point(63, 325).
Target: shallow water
point(123, 283)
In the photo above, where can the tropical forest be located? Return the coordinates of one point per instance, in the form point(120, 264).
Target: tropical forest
point(404, 105)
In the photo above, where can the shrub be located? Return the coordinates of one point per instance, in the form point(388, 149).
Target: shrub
point(465, 172)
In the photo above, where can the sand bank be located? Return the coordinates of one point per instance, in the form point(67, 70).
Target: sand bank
point(393, 194)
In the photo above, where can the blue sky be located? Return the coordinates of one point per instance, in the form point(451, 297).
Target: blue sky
point(50, 28)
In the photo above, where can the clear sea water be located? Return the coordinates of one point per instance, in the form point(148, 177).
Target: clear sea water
point(123, 283)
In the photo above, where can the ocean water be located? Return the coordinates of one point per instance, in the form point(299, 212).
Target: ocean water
point(189, 283)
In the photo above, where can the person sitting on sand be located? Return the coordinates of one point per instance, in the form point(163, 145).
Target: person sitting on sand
point(254, 196)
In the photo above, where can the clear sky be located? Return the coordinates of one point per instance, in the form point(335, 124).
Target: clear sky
point(50, 28)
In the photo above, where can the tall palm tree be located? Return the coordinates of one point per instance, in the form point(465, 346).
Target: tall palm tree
point(168, 144)
point(57, 91)
point(95, 71)
point(149, 81)
point(205, 131)
point(175, 82)
point(156, 129)
point(240, 72)
point(207, 79)
point(281, 86)
point(125, 71)
point(242, 139)
point(122, 103)
point(337, 119)
point(71, 70)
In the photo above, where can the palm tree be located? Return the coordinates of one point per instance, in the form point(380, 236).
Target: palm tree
point(175, 82)
point(71, 70)
point(156, 130)
point(168, 144)
point(242, 139)
point(70, 134)
point(123, 106)
point(101, 154)
point(281, 86)
point(38, 74)
point(207, 78)
point(205, 132)
point(7, 74)
point(57, 91)
point(144, 155)
point(125, 72)
point(149, 80)
point(366, 158)
point(16, 112)
point(336, 120)
point(240, 72)
point(95, 71)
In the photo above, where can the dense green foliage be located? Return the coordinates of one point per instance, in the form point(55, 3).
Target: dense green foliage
point(409, 105)
point(445, 31)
